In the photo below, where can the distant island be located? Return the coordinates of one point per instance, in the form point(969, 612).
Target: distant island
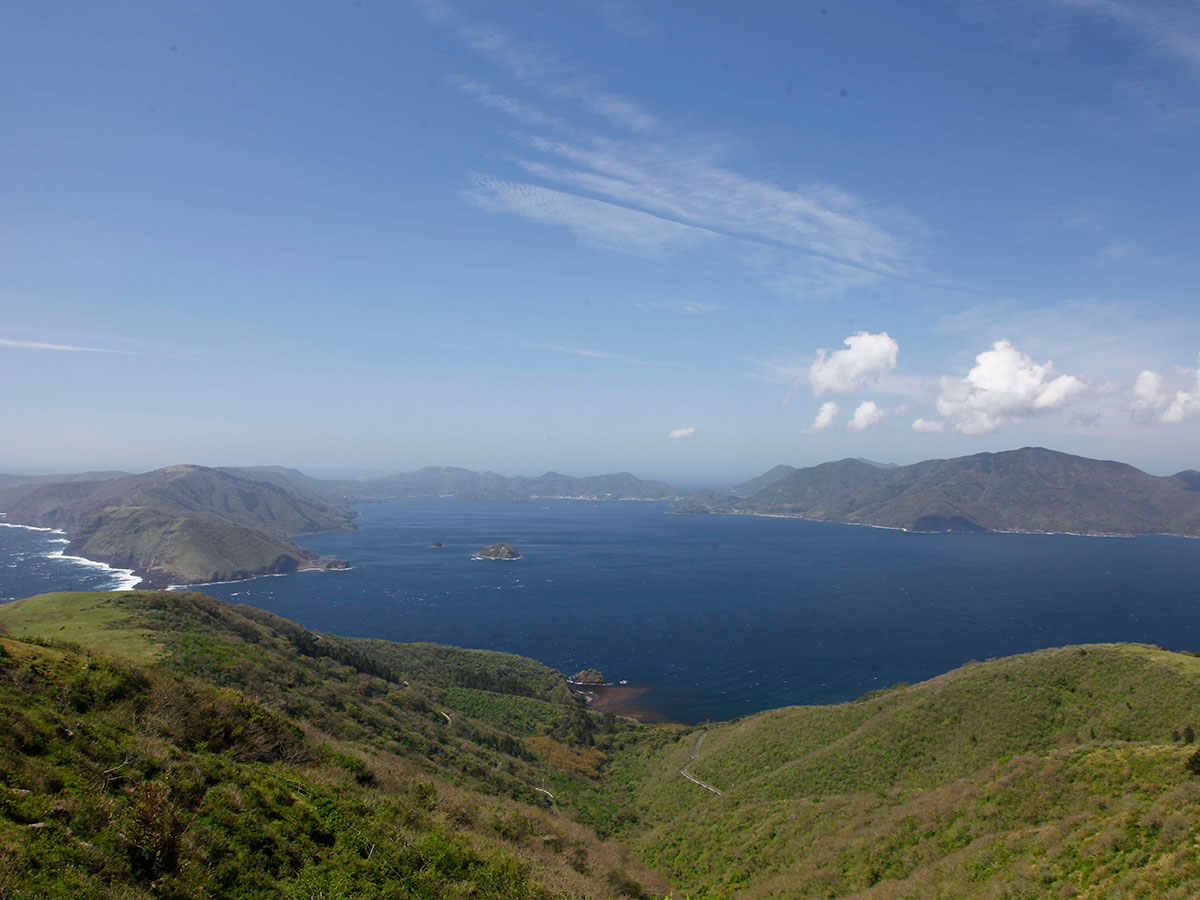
point(498, 551)
point(1029, 490)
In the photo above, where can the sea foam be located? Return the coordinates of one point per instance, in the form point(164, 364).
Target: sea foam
point(31, 528)
point(124, 578)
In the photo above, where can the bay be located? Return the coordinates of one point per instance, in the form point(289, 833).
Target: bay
point(719, 616)
point(727, 615)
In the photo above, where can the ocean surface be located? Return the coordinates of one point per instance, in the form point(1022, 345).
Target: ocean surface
point(719, 615)
point(33, 561)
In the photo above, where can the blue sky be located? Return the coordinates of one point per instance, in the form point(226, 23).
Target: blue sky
point(689, 240)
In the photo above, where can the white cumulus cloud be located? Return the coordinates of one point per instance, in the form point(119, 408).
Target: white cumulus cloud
point(1149, 397)
point(866, 357)
point(1153, 401)
point(677, 433)
point(1005, 386)
point(868, 415)
point(825, 417)
point(928, 426)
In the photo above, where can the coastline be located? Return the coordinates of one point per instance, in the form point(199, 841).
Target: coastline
point(620, 700)
point(126, 578)
point(199, 584)
point(1086, 534)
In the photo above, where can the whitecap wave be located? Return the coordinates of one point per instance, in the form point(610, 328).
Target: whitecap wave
point(123, 579)
point(32, 528)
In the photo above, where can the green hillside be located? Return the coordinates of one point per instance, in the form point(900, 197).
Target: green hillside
point(169, 744)
point(766, 479)
point(1063, 773)
point(256, 759)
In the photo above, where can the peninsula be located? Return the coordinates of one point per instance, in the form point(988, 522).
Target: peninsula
point(181, 525)
point(1032, 490)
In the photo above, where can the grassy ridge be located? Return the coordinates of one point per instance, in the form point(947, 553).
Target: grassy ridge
point(129, 783)
point(256, 759)
point(1064, 771)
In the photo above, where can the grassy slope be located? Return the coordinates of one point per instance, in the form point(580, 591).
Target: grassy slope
point(1061, 773)
point(255, 753)
point(1058, 773)
point(98, 621)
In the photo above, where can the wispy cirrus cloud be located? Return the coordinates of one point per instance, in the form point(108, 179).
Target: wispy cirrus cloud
point(596, 222)
point(525, 113)
point(537, 66)
point(1160, 28)
point(622, 179)
point(622, 17)
point(598, 354)
point(1123, 337)
point(69, 348)
point(1164, 35)
point(1167, 29)
point(687, 307)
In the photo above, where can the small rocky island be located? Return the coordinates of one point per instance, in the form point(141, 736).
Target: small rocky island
point(498, 551)
point(588, 676)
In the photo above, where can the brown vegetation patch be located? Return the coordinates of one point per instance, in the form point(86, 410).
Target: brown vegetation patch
point(585, 760)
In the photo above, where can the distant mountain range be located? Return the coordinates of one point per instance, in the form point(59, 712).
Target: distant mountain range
point(465, 484)
point(191, 524)
point(1032, 489)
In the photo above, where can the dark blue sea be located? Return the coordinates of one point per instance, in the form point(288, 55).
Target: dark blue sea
point(33, 561)
point(726, 615)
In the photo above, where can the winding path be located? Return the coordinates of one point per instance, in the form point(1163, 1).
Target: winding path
point(688, 775)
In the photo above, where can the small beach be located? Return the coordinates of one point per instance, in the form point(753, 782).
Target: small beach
point(622, 700)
